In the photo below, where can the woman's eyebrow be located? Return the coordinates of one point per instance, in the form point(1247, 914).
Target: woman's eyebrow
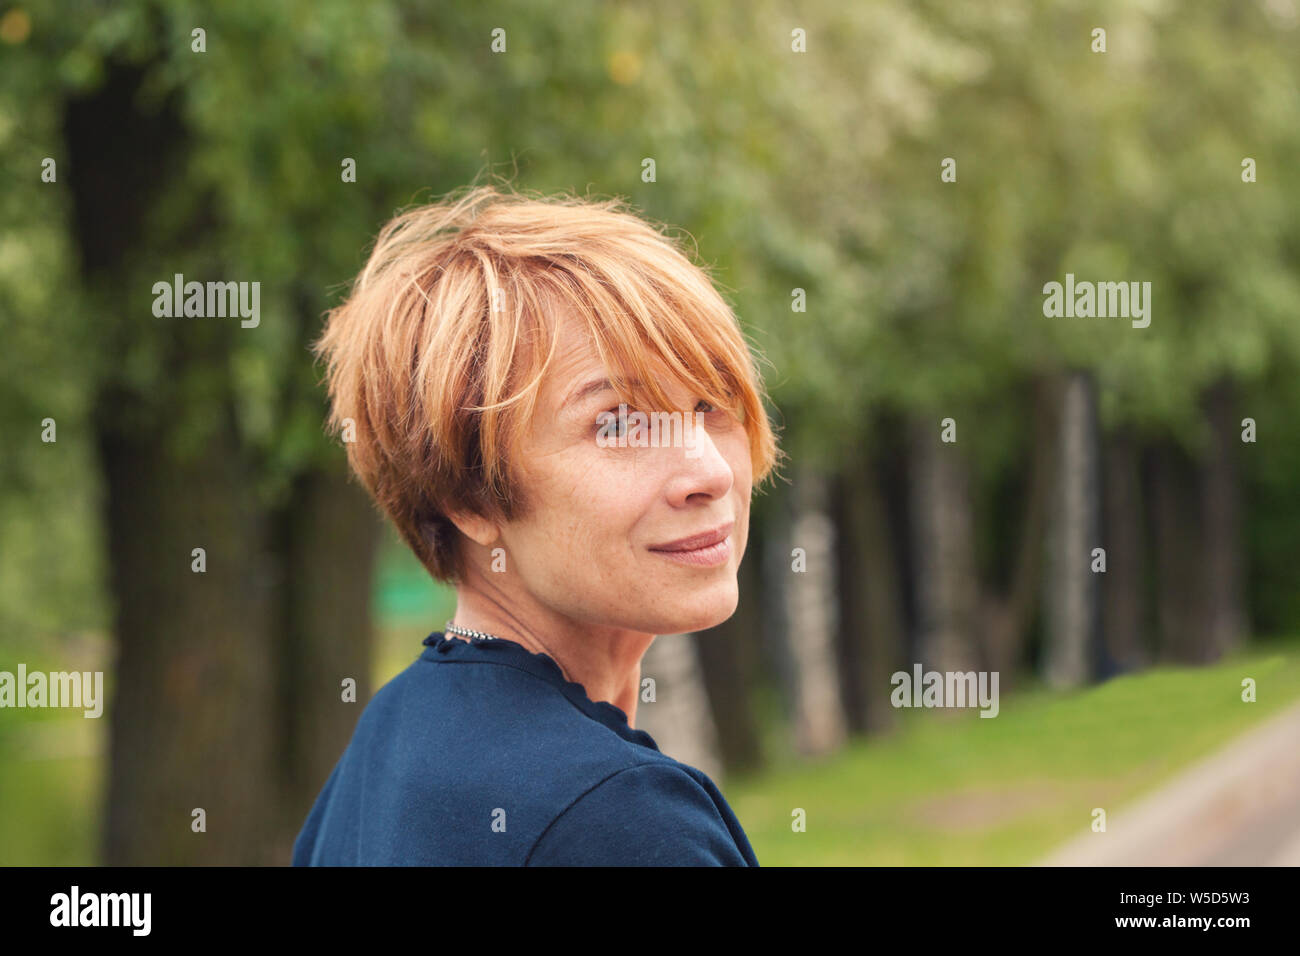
point(591, 388)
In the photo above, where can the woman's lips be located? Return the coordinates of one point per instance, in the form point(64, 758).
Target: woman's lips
point(709, 549)
point(710, 556)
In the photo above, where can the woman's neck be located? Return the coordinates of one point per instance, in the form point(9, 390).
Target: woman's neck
point(605, 661)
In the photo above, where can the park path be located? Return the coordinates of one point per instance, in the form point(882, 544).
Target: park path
point(1238, 807)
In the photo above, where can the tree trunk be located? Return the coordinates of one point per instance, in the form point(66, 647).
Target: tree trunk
point(1220, 501)
point(1007, 618)
point(199, 718)
point(943, 554)
point(871, 616)
point(819, 723)
point(190, 725)
point(1074, 591)
point(328, 538)
point(1123, 587)
point(679, 718)
point(191, 719)
point(1183, 637)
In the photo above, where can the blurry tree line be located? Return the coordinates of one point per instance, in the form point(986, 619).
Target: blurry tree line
point(796, 161)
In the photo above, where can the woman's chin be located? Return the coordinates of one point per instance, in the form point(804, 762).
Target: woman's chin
point(698, 610)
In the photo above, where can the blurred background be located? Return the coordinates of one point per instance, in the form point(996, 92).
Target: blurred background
point(802, 147)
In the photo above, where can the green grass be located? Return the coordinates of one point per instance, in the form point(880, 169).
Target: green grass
point(950, 788)
point(50, 776)
point(49, 808)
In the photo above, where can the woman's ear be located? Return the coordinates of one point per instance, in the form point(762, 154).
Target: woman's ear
point(478, 529)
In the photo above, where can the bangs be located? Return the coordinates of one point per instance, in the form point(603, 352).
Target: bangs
point(651, 331)
point(652, 334)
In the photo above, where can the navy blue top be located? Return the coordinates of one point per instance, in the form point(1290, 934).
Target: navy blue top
point(482, 754)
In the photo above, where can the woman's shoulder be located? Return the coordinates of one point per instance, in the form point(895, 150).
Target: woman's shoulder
point(656, 812)
point(484, 764)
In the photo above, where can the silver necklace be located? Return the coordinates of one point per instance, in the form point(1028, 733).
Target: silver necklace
point(468, 632)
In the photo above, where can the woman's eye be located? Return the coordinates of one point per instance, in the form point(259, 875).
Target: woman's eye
point(613, 424)
point(707, 407)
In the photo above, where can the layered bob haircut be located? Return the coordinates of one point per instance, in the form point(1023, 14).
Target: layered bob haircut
point(434, 361)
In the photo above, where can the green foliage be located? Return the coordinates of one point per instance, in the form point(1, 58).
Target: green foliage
point(816, 170)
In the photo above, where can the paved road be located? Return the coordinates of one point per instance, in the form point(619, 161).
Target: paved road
point(1238, 807)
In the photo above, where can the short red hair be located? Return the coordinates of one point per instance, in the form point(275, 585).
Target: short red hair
point(436, 356)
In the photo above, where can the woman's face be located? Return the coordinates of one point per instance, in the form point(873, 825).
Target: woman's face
point(603, 541)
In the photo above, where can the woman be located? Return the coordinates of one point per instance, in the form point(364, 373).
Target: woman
point(481, 374)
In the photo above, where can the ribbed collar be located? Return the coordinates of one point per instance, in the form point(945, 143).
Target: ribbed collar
point(501, 651)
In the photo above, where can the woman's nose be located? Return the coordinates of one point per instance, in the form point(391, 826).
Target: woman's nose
point(701, 469)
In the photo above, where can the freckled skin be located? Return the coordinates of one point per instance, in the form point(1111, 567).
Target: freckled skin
point(581, 583)
point(597, 510)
